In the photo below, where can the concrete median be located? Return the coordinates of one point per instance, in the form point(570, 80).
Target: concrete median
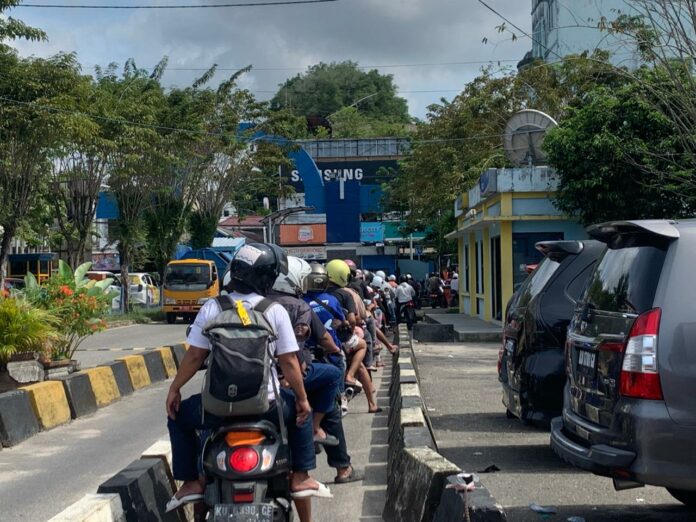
point(103, 385)
point(81, 397)
point(122, 377)
point(417, 473)
point(137, 371)
point(18, 421)
point(49, 402)
point(167, 361)
point(154, 365)
point(178, 351)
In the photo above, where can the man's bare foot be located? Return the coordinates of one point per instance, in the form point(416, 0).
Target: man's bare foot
point(190, 487)
point(319, 433)
point(302, 482)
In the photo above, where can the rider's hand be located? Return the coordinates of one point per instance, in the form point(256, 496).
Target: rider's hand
point(304, 411)
point(172, 403)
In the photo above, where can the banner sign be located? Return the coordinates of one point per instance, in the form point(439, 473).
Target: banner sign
point(367, 172)
point(310, 234)
point(372, 232)
point(308, 253)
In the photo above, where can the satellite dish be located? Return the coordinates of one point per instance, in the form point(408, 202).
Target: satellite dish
point(524, 134)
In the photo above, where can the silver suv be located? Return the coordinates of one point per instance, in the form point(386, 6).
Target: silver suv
point(630, 401)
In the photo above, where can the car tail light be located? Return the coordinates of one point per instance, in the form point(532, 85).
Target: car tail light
point(243, 460)
point(500, 359)
point(639, 376)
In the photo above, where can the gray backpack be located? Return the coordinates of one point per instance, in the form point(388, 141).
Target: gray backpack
point(239, 365)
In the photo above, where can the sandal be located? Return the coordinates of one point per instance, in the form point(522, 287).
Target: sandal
point(321, 492)
point(353, 476)
point(176, 503)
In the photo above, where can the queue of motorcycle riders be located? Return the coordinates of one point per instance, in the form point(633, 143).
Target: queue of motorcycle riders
point(330, 329)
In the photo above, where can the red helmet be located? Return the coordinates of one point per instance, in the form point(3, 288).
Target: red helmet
point(351, 264)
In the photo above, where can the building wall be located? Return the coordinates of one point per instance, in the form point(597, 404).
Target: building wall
point(570, 27)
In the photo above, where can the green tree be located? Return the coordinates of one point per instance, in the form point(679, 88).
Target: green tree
point(325, 89)
point(13, 29)
point(36, 112)
point(461, 138)
point(618, 157)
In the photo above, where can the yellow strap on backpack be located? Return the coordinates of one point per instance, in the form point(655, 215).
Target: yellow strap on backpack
point(243, 314)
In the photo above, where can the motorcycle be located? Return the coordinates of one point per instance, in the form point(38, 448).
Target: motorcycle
point(247, 465)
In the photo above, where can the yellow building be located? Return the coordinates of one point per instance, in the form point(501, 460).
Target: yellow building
point(498, 223)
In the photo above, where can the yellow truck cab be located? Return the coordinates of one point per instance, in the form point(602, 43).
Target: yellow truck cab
point(188, 284)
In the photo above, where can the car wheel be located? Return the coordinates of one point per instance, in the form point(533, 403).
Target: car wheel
point(171, 318)
point(684, 496)
point(510, 415)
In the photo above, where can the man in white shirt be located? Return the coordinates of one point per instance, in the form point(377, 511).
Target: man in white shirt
point(252, 273)
point(404, 294)
point(454, 290)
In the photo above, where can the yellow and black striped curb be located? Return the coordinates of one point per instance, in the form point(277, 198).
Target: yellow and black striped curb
point(45, 405)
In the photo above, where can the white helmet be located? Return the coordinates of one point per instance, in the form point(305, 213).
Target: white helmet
point(295, 281)
point(380, 273)
point(377, 281)
point(392, 277)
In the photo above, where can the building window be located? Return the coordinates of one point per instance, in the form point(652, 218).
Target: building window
point(479, 268)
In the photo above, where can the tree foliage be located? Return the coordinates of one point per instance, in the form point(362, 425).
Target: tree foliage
point(618, 157)
point(326, 89)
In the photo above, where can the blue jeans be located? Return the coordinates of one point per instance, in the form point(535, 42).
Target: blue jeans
point(321, 382)
point(189, 420)
point(336, 456)
point(339, 362)
point(370, 339)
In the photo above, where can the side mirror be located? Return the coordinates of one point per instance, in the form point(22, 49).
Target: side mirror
point(210, 284)
point(140, 288)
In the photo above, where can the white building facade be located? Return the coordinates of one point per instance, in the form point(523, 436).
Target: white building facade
point(565, 27)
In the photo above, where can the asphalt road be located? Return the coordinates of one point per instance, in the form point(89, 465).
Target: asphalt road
point(43, 475)
point(118, 342)
point(461, 390)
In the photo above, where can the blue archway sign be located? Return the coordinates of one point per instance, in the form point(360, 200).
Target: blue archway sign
point(305, 165)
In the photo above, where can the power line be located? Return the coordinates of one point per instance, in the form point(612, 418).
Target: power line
point(174, 6)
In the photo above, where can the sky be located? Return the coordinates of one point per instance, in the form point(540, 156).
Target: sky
point(282, 41)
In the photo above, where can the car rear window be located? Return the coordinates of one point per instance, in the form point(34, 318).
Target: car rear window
point(626, 278)
point(536, 281)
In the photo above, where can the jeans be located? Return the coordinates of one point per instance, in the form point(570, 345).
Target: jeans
point(370, 339)
point(336, 456)
point(339, 361)
point(321, 383)
point(186, 443)
point(392, 312)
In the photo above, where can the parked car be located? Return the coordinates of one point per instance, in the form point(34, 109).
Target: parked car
point(143, 290)
point(629, 411)
point(115, 287)
point(531, 365)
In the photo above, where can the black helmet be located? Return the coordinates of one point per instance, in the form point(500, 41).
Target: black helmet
point(403, 279)
point(368, 276)
point(255, 267)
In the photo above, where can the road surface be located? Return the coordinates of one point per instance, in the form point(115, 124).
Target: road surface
point(461, 390)
point(43, 475)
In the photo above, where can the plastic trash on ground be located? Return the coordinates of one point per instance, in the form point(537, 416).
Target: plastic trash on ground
point(543, 510)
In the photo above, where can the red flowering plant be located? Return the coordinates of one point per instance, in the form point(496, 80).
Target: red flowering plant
point(78, 303)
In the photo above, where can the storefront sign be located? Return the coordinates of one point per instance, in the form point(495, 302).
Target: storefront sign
point(310, 234)
point(308, 253)
point(367, 172)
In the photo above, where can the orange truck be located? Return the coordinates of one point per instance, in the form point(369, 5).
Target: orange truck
point(188, 284)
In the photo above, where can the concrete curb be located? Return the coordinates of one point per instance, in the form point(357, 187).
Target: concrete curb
point(93, 508)
point(417, 475)
point(47, 404)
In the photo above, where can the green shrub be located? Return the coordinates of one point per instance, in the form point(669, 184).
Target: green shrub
point(25, 328)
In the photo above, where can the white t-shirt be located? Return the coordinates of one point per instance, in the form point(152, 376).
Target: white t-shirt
point(405, 293)
point(277, 317)
point(454, 284)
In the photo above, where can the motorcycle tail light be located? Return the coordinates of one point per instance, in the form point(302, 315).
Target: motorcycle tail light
point(244, 460)
point(243, 497)
point(244, 438)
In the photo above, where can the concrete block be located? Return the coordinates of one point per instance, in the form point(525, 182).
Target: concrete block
point(144, 489)
point(155, 366)
point(137, 371)
point(178, 351)
point(411, 417)
point(408, 379)
point(25, 372)
point(167, 361)
point(410, 390)
point(17, 418)
point(416, 485)
point(104, 385)
point(93, 508)
point(123, 381)
point(434, 333)
point(482, 506)
point(81, 398)
point(49, 403)
point(418, 437)
point(162, 449)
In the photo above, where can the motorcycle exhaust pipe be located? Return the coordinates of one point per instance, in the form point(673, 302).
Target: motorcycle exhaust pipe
point(623, 484)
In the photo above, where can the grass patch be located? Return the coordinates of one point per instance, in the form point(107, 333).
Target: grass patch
point(138, 316)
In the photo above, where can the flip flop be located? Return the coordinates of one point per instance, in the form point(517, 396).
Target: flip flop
point(353, 476)
point(378, 410)
point(329, 440)
point(322, 492)
point(176, 503)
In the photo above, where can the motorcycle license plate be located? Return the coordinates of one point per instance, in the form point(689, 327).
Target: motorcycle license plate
point(186, 308)
point(243, 513)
